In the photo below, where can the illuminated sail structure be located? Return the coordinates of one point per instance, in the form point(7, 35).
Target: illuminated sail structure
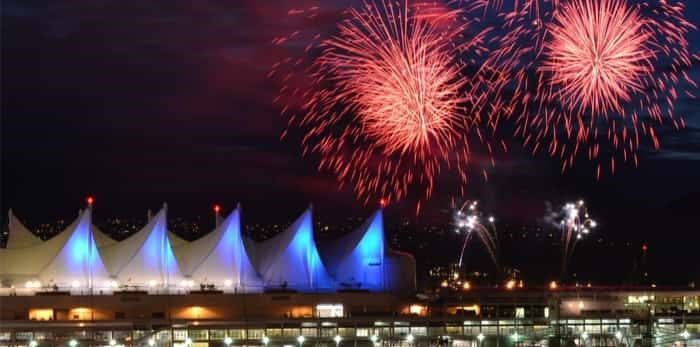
point(220, 258)
point(69, 259)
point(78, 263)
point(291, 260)
point(356, 260)
point(145, 258)
point(175, 241)
point(77, 259)
point(18, 235)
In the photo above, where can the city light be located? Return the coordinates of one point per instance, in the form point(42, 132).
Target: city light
point(301, 340)
point(618, 335)
point(228, 341)
point(480, 337)
point(685, 334)
point(112, 342)
point(374, 339)
point(265, 340)
point(466, 286)
point(584, 336)
point(410, 338)
point(72, 343)
point(337, 339)
point(33, 343)
point(510, 285)
point(188, 341)
point(553, 285)
point(151, 342)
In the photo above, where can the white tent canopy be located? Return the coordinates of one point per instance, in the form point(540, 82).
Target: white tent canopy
point(78, 263)
point(145, 258)
point(175, 241)
point(291, 259)
point(356, 260)
point(19, 236)
point(220, 258)
point(70, 257)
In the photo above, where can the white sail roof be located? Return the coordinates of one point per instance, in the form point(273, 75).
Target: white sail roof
point(19, 236)
point(220, 257)
point(71, 256)
point(291, 259)
point(78, 263)
point(356, 260)
point(175, 241)
point(145, 257)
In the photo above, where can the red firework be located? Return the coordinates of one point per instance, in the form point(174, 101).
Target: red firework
point(607, 75)
point(389, 108)
point(599, 53)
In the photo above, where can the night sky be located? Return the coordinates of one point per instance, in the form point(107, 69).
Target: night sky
point(141, 102)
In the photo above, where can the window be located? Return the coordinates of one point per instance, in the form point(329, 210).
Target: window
point(519, 312)
point(254, 334)
point(237, 334)
point(180, 335)
point(199, 334)
point(329, 311)
point(217, 334)
point(23, 335)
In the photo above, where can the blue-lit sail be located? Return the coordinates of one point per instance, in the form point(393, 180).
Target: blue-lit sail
point(356, 261)
point(220, 258)
point(146, 257)
point(78, 262)
point(291, 259)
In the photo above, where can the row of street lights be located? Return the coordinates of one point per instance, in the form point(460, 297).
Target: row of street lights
point(301, 339)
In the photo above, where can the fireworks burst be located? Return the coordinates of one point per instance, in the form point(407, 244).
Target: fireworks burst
point(389, 105)
point(607, 76)
point(469, 220)
point(575, 223)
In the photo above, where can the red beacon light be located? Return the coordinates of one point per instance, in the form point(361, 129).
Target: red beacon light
point(382, 202)
point(217, 208)
point(89, 200)
point(644, 248)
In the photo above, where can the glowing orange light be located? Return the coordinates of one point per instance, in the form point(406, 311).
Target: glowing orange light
point(466, 286)
point(510, 285)
point(217, 208)
point(382, 202)
point(90, 200)
point(444, 284)
point(553, 285)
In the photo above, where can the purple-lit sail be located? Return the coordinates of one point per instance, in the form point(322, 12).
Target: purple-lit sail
point(220, 258)
point(145, 258)
point(291, 259)
point(78, 262)
point(357, 259)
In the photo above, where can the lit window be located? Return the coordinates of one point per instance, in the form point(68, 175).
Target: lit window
point(329, 311)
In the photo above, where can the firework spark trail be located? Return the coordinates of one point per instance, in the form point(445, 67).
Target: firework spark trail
point(469, 220)
point(575, 223)
point(606, 76)
point(389, 106)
